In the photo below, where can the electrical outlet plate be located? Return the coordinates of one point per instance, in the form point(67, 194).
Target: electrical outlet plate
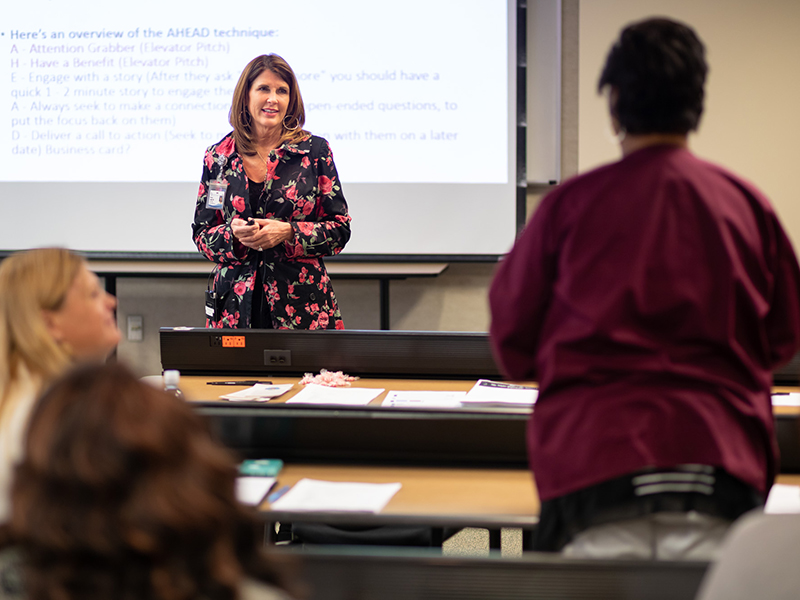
point(278, 358)
point(135, 328)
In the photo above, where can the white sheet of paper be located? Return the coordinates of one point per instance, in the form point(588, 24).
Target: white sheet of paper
point(424, 399)
point(316, 495)
point(783, 499)
point(792, 399)
point(486, 391)
point(321, 394)
point(252, 490)
point(260, 391)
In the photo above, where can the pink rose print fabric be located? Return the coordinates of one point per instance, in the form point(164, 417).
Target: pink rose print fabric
point(302, 188)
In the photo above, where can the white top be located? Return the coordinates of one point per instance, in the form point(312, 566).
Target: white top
point(12, 437)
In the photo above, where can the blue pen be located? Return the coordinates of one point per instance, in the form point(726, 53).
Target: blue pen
point(275, 495)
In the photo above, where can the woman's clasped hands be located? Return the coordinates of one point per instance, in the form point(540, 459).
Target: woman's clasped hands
point(262, 234)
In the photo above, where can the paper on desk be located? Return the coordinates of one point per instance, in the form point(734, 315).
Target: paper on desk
point(321, 394)
point(792, 399)
point(419, 399)
point(498, 393)
point(252, 490)
point(315, 495)
point(260, 391)
point(783, 499)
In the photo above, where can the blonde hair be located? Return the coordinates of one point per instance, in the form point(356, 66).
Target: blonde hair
point(32, 282)
point(239, 115)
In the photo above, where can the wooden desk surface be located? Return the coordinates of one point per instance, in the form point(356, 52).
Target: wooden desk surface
point(489, 498)
point(429, 496)
point(196, 388)
point(785, 410)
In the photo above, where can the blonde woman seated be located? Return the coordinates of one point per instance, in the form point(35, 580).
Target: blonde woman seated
point(53, 313)
point(123, 494)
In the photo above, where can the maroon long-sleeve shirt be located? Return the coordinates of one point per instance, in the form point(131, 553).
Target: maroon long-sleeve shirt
point(651, 298)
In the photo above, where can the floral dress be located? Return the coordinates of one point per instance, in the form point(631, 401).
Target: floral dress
point(301, 188)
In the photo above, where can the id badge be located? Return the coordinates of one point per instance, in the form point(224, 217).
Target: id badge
point(211, 304)
point(216, 194)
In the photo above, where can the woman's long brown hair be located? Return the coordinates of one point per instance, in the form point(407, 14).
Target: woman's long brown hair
point(239, 116)
point(124, 494)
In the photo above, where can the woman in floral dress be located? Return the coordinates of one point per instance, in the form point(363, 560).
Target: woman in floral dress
point(270, 207)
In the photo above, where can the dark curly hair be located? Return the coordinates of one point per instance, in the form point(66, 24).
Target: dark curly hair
point(656, 71)
point(124, 494)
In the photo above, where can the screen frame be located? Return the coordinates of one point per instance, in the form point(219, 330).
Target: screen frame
point(517, 142)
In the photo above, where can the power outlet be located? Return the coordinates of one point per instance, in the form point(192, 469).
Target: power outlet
point(233, 341)
point(135, 328)
point(278, 358)
point(215, 341)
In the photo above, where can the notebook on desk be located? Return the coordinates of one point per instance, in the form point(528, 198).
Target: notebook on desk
point(256, 478)
point(488, 393)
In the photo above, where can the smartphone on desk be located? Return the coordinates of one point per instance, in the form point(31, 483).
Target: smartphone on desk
point(261, 467)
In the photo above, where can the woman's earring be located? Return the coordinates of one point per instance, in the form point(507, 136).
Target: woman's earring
point(296, 123)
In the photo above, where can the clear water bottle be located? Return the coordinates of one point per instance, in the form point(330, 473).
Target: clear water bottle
point(172, 382)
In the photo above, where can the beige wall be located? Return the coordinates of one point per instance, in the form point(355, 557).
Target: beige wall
point(752, 118)
point(750, 127)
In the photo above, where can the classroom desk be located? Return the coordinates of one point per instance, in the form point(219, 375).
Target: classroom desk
point(458, 468)
point(435, 497)
point(483, 482)
point(438, 498)
point(474, 437)
point(787, 430)
point(356, 573)
point(196, 388)
point(411, 437)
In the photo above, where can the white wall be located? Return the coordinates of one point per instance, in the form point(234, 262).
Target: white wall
point(751, 121)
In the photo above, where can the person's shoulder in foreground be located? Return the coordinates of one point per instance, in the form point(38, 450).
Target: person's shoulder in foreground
point(758, 560)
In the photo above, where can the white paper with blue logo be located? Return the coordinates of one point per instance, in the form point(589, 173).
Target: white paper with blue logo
point(259, 392)
point(423, 399)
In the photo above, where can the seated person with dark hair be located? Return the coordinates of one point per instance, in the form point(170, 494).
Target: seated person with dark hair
point(123, 494)
point(651, 298)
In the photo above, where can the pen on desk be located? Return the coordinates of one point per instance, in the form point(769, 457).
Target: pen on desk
point(275, 495)
point(243, 382)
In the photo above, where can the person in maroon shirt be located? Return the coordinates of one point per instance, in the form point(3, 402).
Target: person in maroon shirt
point(651, 299)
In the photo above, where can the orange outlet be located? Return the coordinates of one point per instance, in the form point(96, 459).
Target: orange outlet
point(233, 341)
